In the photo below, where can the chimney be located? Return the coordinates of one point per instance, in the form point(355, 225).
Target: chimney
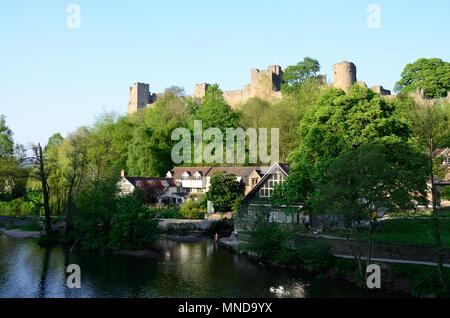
point(123, 173)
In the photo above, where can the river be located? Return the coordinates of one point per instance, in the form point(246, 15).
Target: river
point(199, 269)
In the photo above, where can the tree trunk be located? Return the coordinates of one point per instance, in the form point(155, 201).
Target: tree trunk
point(370, 242)
point(45, 191)
point(69, 213)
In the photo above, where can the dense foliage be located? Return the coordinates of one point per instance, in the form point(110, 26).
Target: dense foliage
point(225, 192)
point(105, 219)
point(431, 75)
point(194, 209)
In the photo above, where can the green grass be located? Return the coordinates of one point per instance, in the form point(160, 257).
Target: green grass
point(417, 231)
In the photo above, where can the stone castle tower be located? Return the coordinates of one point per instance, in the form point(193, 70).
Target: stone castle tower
point(139, 97)
point(344, 75)
point(200, 90)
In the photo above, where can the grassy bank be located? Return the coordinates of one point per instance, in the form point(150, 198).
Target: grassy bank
point(416, 230)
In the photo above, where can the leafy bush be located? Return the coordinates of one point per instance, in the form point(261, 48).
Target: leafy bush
point(192, 209)
point(315, 256)
point(133, 225)
point(424, 280)
point(445, 193)
point(170, 212)
point(18, 207)
point(267, 240)
point(107, 220)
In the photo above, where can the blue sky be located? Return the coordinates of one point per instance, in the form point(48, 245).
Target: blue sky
point(54, 79)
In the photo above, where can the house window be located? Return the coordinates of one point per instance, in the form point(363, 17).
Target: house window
point(254, 182)
point(447, 161)
point(270, 184)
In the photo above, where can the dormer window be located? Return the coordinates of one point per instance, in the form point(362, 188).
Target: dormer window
point(197, 176)
point(185, 175)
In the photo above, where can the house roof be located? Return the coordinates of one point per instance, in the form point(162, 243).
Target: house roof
point(140, 181)
point(283, 167)
point(177, 172)
point(244, 172)
point(442, 152)
point(237, 171)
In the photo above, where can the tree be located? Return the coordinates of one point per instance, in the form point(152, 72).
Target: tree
point(37, 161)
point(435, 218)
point(194, 209)
point(339, 122)
point(225, 192)
point(175, 90)
point(74, 160)
point(54, 169)
point(149, 152)
point(214, 112)
point(379, 178)
point(6, 140)
point(431, 75)
point(296, 75)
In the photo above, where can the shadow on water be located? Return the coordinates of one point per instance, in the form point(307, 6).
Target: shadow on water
point(180, 269)
point(45, 267)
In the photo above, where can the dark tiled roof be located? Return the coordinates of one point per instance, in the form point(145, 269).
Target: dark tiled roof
point(139, 181)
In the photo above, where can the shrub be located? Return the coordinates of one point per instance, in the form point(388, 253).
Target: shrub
point(267, 239)
point(424, 280)
point(445, 193)
point(133, 225)
point(194, 209)
point(18, 207)
point(315, 256)
point(170, 212)
point(107, 220)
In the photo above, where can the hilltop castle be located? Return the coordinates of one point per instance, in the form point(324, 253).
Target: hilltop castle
point(264, 84)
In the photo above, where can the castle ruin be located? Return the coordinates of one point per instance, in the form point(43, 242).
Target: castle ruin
point(264, 84)
point(140, 97)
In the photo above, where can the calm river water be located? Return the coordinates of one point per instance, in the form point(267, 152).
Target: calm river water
point(200, 269)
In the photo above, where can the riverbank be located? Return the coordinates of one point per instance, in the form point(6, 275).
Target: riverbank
point(410, 278)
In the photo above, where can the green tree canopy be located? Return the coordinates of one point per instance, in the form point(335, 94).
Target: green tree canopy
point(214, 112)
point(432, 75)
point(224, 192)
point(295, 75)
point(360, 183)
point(339, 122)
point(150, 146)
point(6, 139)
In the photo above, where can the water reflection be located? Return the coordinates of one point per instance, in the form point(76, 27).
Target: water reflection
point(200, 269)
